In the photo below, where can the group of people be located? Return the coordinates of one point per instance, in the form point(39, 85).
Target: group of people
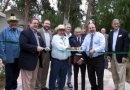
point(30, 52)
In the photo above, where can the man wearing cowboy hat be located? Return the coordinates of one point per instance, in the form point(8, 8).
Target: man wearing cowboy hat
point(9, 52)
point(60, 55)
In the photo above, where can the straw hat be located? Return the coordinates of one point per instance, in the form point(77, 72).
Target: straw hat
point(60, 27)
point(12, 18)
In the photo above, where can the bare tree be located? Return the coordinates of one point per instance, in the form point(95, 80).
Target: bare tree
point(89, 11)
point(5, 6)
point(26, 13)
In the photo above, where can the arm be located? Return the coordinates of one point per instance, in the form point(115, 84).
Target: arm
point(2, 45)
point(102, 44)
point(84, 45)
point(126, 44)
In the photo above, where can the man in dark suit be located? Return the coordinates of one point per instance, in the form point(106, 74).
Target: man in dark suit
point(77, 57)
point(31, 46)
point(118, 42)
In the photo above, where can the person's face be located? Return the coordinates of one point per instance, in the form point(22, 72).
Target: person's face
point(83, 31)
point(91, 28)
point(34, 24)
point(68, 28)
point(78, 32)
point(115, 25)
point(61, 32)
point(103, 31)
point(46, 24)
point(13, 24)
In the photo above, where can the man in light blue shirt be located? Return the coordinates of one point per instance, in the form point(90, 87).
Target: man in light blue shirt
point(9, 52)
point(94, 46)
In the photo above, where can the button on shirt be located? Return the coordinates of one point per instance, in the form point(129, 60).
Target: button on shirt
point(98, 44)
point(59, 45)
point(115, 34)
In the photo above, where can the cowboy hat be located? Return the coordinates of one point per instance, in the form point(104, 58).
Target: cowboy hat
point(60, 27)
point(12, 18)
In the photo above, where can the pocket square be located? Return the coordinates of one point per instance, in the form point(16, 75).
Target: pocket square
point(119, 35)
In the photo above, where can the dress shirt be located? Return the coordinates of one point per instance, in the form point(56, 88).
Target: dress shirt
point(9, 44)
point(115, 34)
point(47, 38)
point(98, 44)
point(68, 35)
point(59, 46)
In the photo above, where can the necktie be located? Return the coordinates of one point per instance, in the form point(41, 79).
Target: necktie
point(78, 39)
point(91, 42)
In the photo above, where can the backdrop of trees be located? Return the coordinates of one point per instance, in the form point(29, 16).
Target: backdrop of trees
point(101, 11)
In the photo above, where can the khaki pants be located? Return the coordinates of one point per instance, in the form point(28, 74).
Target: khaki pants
point(128, 72)
point(29, 78)
point(43, 72)
point(118, 73)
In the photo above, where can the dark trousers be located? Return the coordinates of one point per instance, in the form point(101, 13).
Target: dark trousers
point(95, 68)
point(76, 71)
point(11, 73)
point(58, 68)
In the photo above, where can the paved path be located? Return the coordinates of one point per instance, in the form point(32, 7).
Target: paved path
point(108, 82)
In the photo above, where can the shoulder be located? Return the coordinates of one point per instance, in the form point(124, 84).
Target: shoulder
point(123, 30)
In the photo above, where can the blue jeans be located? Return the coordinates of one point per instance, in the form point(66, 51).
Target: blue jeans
point(69, 73)
point(58, 68)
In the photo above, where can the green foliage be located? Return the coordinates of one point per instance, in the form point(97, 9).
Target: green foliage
point(107, 10)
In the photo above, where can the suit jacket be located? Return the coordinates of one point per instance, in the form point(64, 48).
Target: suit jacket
point(74, 43)
point(28, 50)
point(122, 44)
point(46, 57)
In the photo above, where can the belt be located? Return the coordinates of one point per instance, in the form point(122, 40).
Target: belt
point(63, 60)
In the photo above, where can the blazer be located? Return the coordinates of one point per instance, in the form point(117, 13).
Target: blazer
point(46, 57)
point(28, 50)
point(122, 44)
point(74, 43)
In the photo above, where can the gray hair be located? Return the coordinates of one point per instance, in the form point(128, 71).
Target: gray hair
point(115, 20)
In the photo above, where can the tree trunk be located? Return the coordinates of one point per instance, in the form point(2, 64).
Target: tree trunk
point(67, 11)
point(5, 6)
point(26, 13)
point(89, 11)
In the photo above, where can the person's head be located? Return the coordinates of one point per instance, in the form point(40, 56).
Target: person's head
point(60, 30)
point(33, 24)
point(91, 28)
point(103, 30)
point(116, 24)
point(46, 24)
point(68, 28)
point(12, 21)
point(84, 31)
point(77, 31)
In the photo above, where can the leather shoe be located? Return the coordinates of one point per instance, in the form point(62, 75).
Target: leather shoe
point(69, 85)
point(44, 88)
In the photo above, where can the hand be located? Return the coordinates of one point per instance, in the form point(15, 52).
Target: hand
point(4, 62)
point(80, 61)
point(91, 52)
point(47, 49)
point(124, 60)
point(72, 48)
point(39, 49)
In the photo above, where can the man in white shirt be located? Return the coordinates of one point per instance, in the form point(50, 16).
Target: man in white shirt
point(60, 55)
point(94, 46)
